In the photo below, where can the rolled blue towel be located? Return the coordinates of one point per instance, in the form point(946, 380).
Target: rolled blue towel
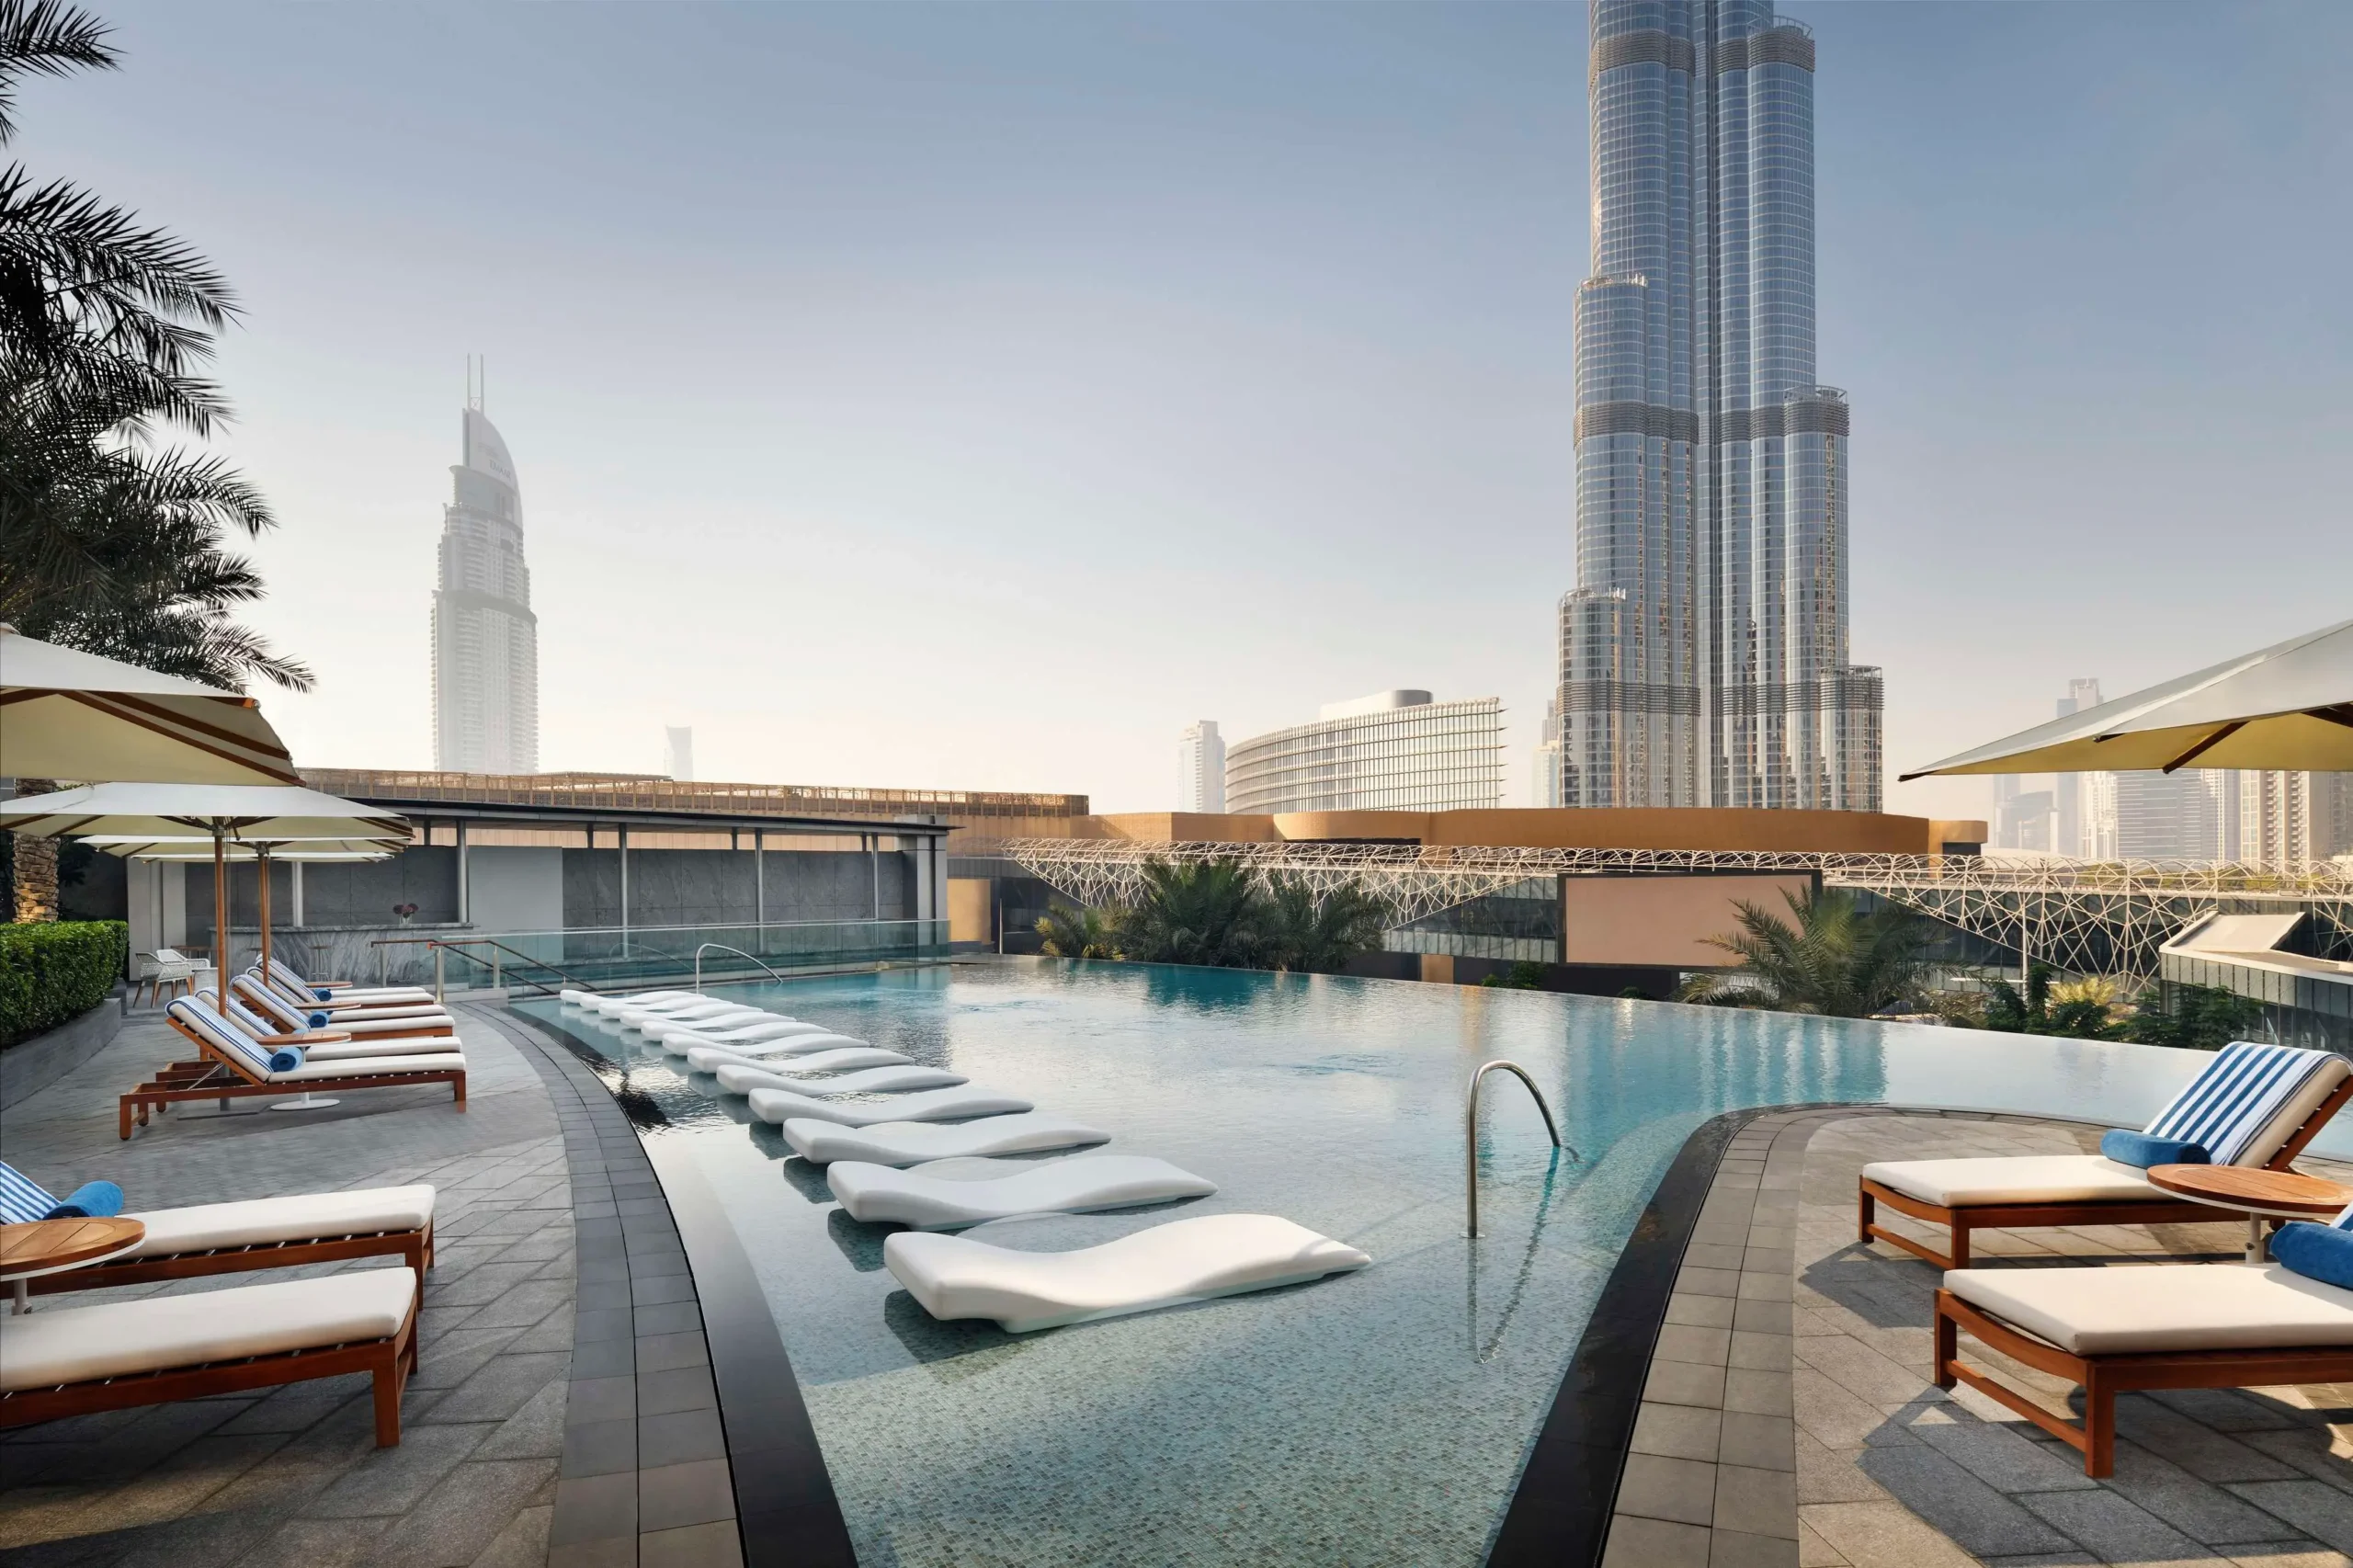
point(286, 1058)
point(320, 1020)
point(2139, 1149)
point(2316, 1252)
point(322, 992)
point(91, 1200)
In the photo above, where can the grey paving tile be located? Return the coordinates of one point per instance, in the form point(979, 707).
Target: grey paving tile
point(1677, 1431)
point(459, 1519)
point(1756, 1501)
point(680, 1438)
point(600, 1447)
point(502, 1386)
point(1963, 1508)
point(1652, 1486)
point(523, 1543)
point(1759, 1442)
point(1731, 1548)
point(2114, 1528)
point(596, 1507)
point(2319, 1510)
point(715, 1545)
point(694, 1492)
point(390, 1481)
point(1684, 1382)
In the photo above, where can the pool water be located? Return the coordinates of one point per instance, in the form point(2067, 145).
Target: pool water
point(1375, 1417)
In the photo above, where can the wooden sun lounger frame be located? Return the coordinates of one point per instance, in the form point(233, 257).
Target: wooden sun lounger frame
point(219, 1077)
point(425, 1028)
point(1960, 1220)
point(413, 1247)
point(2102, 1378)
point(389, 1361)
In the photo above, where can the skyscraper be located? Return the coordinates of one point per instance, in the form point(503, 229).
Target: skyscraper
point(1200, 768)
point(679, 753)
point(486, 638)
point(1703, 652)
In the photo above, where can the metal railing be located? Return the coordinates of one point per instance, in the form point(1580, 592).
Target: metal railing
point(1471, 1131)
point(724, 948)
point(442, 945)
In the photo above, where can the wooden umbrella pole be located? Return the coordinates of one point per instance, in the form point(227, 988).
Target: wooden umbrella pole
point(219, 923)
point(261, 858)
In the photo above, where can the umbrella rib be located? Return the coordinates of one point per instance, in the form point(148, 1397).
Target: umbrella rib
point(2335, 713)
point(156, 710)
point(255, 759)
point(2217, 738)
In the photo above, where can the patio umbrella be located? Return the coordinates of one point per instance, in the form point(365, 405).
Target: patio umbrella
point(67, 714)
point(221, 813)
point(2289, 706)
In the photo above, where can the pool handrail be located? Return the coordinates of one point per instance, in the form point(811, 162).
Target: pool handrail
point(1471, 1131)
point(724, 948)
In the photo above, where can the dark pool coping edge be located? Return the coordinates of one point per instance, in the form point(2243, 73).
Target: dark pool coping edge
point(1560, 1512)
point(785, 1511)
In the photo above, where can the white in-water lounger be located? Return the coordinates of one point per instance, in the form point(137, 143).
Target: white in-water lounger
point(912, 1143)
point(947, 1195)
point(758, 1029)
point(654, 999)
point(718, 1015)
point(935, 1105)
point(1185, 1260)
point(788, 1046)
point(711, 1058)
point(743, 1080)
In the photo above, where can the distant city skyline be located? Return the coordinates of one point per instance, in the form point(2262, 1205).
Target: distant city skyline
point(1200, 768)
point(1391, 751)
point(1703, 652)
point(1138, 363)
point(485, 690)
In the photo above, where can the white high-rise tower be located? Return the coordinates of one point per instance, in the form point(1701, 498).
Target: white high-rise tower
point(486, 638)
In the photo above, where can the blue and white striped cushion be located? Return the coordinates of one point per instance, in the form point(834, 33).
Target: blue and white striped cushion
point(283, 972)
point(265, 1003)
point(198, 1013)
point(2226, 1107)
point(21, 1201)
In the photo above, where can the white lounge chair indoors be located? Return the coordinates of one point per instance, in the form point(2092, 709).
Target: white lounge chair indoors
point(708, 1059)
point(947, 1195)
point(913, 1143)
point(934, 1104)
point(1185, 1260)
point(743, 1080)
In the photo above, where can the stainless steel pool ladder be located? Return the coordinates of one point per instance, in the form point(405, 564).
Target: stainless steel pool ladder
point(1471, 1130)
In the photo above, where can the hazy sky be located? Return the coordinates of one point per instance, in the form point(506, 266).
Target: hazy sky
point(972, 395)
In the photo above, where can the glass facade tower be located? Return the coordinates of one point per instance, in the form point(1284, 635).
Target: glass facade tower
point(486, 638)
point(1703, 654)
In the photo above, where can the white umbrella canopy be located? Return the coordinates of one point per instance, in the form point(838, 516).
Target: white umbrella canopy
point(244, 811)
point(248, 814)
point(67, 714)
point(2289, 706)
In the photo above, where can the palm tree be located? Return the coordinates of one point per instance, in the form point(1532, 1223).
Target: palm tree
point(1835, 960)
point(108, 541)
point(1302, 933)
point(1072, 933)
point(1209, 911)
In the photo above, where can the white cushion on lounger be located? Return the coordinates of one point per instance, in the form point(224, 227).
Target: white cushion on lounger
point(683, 1041)
point(312, 1216)
point(392, 1025)
point(78, 1344)
point(1185, 1260)
point(2014, 1178)
point(373, 1066)
point(740, 1079)
point(912, 1143)
point(405, 1045)
point(711, 1058)
point(2190, 1306)
point(950, 1193)
point(936, 1105)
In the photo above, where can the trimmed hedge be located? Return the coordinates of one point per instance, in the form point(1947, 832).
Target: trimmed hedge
point(55, 971)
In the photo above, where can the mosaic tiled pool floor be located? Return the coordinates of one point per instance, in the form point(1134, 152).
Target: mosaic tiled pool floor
point(1381, 1417)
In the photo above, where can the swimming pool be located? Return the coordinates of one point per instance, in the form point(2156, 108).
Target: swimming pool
point(1376, 1418)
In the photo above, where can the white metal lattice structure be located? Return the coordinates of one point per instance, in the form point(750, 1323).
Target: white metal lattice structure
point(2085, 917)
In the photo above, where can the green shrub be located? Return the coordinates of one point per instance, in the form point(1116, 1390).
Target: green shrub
point(55, 971)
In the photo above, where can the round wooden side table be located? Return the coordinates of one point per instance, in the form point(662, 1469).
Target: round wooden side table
point(53, 1246)
point(2260, 1195)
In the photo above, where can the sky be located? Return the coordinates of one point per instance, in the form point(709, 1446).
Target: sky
point(973, 395)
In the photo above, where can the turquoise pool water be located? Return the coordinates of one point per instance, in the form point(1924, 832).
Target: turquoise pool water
point(1378, 1417)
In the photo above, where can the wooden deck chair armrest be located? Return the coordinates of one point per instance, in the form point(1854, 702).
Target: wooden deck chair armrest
point(2313, 1123)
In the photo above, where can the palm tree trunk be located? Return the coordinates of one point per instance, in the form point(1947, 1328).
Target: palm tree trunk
point(33, 868)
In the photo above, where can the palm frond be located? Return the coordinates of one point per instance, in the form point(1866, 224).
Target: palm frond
point(44, 38)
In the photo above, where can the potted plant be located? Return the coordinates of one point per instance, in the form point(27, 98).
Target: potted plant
point(407, 911)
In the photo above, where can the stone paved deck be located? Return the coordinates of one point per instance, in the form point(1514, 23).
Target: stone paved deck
point(1807, 1431)
point(293, 1476)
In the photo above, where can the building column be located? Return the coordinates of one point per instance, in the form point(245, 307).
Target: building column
point(172, 887)
point(759, 877)
point(621, 837)
point(465, 881)
point(294, 904)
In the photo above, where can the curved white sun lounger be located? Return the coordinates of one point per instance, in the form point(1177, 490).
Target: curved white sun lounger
point(770, 1028)
point(947, 1195)
point(718, 1015)
point(935, 1105)
point(742, 1080)
point(679, 1043)
point(1185, 1260)
point(648, 1000)
point(912, 1143)
point(711, 1058)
